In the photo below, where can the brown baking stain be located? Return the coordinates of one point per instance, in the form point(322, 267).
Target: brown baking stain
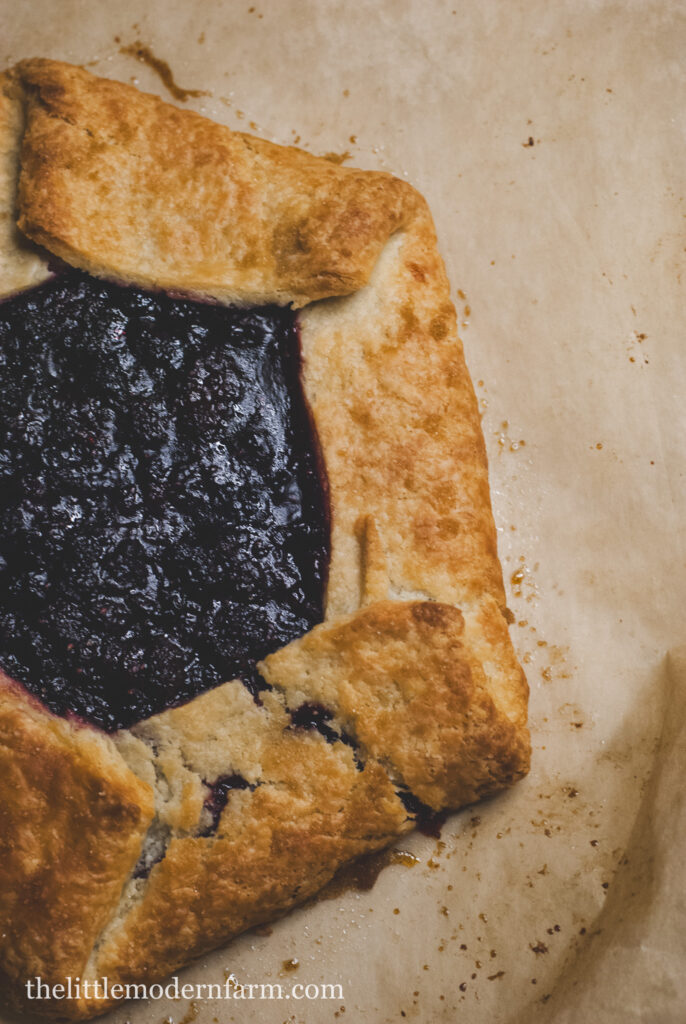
point(557, 667)
point(337, 158)
point(361, 875)
point(539, 948)
point(191, 1013)
point(466, 313)
point(637, 338)
point(145, 55)
point(507, 443)
point(408, 860)
point(288, 966)
point(547, 828)
point(522, 581)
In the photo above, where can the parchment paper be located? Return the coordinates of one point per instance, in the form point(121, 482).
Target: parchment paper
point(548, 138)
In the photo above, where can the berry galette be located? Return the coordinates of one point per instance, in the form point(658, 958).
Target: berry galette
point(252, 618)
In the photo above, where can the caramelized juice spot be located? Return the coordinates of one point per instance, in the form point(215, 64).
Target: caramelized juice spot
point(145, 55)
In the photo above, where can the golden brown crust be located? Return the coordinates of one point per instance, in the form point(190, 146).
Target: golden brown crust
point(21, 264)
point(414, 660)
point(398, 423)
point(403, 681)
point(276, 845)
point(123, 185)
point(72, 822)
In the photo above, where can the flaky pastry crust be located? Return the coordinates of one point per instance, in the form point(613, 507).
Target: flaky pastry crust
point(413, 660)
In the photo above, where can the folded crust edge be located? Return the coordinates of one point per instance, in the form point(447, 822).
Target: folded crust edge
point(126, 187)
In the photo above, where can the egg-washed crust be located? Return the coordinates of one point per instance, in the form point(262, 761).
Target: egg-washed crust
point(112, 864)
point(123, 185)
point(72, 822)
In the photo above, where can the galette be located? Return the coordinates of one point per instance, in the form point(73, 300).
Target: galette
point(252, 617)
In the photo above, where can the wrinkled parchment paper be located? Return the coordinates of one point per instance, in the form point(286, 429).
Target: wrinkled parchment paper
point(548, 138)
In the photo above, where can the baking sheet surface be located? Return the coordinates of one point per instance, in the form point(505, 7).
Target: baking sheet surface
point(549, 141)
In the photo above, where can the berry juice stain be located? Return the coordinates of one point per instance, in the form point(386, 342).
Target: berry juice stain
point(163, 506)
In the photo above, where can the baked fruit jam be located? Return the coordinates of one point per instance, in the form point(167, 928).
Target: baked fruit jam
point(163, 511)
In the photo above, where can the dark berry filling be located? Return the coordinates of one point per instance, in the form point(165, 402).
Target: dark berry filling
point(427, 821)
point(218, 798)
point(312, 716)
point(163, 509)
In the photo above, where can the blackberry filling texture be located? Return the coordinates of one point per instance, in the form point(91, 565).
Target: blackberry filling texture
point(163, 507)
